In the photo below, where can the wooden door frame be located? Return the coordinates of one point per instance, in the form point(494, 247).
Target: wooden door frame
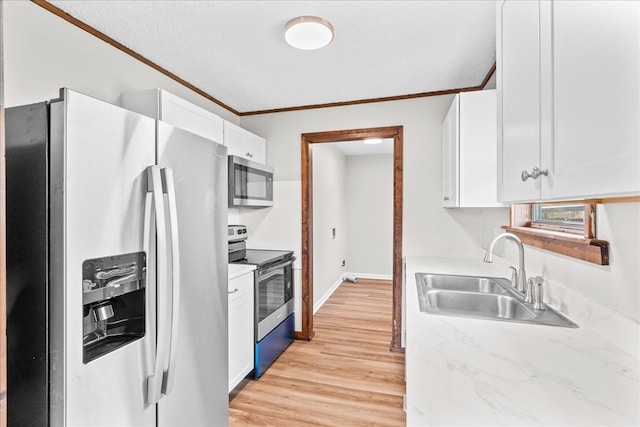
point(308, 139)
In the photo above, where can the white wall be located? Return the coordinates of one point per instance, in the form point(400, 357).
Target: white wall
point(44, 53)
point(329, 212)
point(369, 192)
point(428, 229)
point(354, 196)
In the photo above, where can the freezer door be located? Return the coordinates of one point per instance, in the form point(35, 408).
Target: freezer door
point(197, 392)
point(27, 243)
point(99, 156)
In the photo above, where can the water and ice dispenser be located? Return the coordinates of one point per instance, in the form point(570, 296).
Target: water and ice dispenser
point(113, 290)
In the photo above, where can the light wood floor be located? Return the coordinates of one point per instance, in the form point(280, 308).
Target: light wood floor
point(345, 376)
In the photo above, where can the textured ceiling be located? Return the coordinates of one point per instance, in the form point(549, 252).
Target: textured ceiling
point(235, 50)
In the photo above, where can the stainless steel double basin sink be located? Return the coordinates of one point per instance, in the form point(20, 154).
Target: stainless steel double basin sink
point(489, 298)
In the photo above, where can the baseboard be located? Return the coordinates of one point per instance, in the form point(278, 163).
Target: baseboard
point(371, 276)
point(320, 302)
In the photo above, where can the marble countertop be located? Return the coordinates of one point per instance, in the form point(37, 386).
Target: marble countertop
point(463, 371)
point(237, 270)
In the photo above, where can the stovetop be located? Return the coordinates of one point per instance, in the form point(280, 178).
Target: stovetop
point(265, 257)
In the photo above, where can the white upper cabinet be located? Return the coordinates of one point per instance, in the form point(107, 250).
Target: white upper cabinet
point(596, 81)
point(518, 80)
point(242, 143)
point(169, 108)
point(469, 151)
point(450, 164)
point(568, 99)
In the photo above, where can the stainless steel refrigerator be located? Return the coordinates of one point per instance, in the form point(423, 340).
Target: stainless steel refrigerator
point(117, 275)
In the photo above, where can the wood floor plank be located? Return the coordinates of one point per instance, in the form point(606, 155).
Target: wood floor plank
point(345, 376)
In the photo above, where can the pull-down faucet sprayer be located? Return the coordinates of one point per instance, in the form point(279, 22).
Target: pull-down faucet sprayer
point(521, 275)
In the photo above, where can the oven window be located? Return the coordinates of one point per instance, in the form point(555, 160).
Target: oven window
point(274, 290)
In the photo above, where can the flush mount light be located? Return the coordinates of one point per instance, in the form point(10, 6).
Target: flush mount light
point(373, 141)
point(308, 32)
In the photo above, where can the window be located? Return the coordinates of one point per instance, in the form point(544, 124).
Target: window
point(568, 218)
point(564, 228)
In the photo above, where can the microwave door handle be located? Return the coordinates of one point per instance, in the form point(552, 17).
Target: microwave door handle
point(168, 187)
point(154, 186)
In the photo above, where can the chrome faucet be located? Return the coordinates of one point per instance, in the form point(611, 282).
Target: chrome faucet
point(521, 275)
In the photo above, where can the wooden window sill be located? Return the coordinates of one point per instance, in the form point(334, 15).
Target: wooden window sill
point(590, 250)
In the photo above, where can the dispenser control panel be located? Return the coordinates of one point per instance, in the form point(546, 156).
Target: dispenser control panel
point(113, 298)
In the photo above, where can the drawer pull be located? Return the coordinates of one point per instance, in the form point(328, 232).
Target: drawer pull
point(233, 291)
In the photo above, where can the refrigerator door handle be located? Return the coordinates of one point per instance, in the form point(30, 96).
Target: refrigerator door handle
point(168, 188)
point(154, 192)
point(149, 224)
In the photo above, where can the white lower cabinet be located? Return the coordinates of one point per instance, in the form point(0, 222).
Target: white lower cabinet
point(241, 335)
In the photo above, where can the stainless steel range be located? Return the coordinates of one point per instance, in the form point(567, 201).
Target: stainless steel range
point(274, 304)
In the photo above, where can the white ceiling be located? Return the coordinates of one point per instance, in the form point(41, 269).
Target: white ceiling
point(235, 50)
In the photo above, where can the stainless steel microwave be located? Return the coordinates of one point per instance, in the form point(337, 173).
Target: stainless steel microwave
point(250, 183)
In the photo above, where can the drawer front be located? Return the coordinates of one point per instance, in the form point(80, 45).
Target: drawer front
point(240, 286)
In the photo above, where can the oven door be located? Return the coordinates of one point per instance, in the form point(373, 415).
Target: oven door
point(274, 297)
point(250, 183)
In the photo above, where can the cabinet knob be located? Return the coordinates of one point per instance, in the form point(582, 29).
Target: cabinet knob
point(446, 198)
point(535, 173)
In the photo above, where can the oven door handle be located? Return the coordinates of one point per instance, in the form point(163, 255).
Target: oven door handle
point(275, 267)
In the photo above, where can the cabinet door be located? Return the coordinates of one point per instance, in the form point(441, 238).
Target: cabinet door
point(241, 328)
point(450, 165)
point(596, 100)
point(242, 143)
point(169, 108)
point(234, 139)
point(518, 82)
point(190, 117)
point(477, 149)
point(256, 147)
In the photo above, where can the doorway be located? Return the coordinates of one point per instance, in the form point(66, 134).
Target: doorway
point(307, 140)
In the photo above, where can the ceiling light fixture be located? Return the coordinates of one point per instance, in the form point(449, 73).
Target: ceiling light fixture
point(308, 32)
point(373, 141)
